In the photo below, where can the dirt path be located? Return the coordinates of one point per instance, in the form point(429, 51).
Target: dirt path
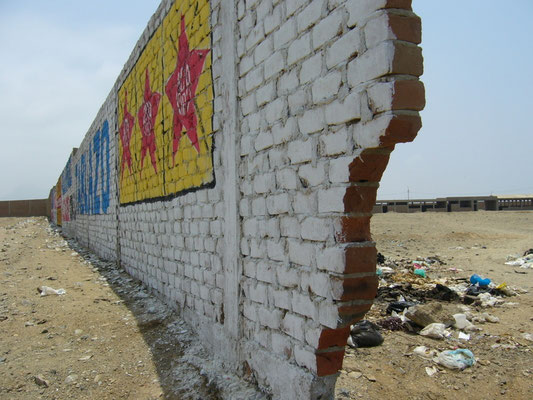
point(476, 242)
point(106, 338)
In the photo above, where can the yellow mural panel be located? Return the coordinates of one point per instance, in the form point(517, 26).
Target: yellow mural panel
point(165, 109)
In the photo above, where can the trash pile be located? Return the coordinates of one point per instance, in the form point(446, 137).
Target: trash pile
point(425, 297)
point(524, 262)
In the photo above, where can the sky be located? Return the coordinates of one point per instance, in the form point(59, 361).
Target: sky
point(60, 58)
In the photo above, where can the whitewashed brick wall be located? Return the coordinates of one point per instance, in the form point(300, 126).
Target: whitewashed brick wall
point(274, 262)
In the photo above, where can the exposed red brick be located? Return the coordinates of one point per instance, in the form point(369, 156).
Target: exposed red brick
point(349, 320)
point(333, 338)
point(364, 288)
point(368, 167)
point(405, 4)
point(360, 259)
point(409, 95)
point(407, 59)
point(360, 199)
point(406, 27)
point(329, 363)
point(402, 128)
point(354, 310)
point(354, 229)
point(350, 313)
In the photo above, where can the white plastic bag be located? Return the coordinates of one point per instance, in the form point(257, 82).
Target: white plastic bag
point(456, 359)
point(435, 331)
point(461, 321)
point(46, 291)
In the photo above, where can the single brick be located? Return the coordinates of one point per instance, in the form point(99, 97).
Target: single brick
point(364, 288)
point(340, 112)
point(312, 121)
point(333, 337)
point(353, 229)
point(359, 10)
point(368, 167)
point(325, 88)
point(390, 26)
point(344, 48)
point(329, 363)
point(385, 59)
point(327, 29)
point(360, 199)
point(316, 229)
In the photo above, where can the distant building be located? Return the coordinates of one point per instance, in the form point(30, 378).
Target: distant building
point(449, 204)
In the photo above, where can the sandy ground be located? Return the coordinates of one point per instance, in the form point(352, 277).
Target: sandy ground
point(473, 242)
point(108, 338)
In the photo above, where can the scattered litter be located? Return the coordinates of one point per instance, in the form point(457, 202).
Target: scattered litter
point(528, 336)
point(435, 331)
point(490, 318)
point(442, 292)
point(488, 301)
point(525, 262)
point(478, 280)
point(46, 291)
point(392, 324)
point(424, 352)
point(431, 370)
point(461, 322)
point(385, 270)
point(463, 336)
point(456, 359)
point(71, 379)
point(399, 306)
point(420, 272)
point(365, 334)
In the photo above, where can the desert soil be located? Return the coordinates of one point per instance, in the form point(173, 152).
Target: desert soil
point(106, 338)
point(109, 338)
point(473, 243)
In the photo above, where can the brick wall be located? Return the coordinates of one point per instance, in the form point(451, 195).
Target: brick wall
point(234, 167)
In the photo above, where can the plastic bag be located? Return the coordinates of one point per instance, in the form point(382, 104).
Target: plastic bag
point(435, 330)
point(424, 352)
point(46, 291)
point(456, 359)
point(461, 322)
point(365, 334)
point(479, 280)
point(420, 272)
point(399, 306)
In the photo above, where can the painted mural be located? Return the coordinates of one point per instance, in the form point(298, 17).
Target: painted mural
point(66, 208)
point(59, 219)
point(93, 175)
point(66, 177)
point(165, 110)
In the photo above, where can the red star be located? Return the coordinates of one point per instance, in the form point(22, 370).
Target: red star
point(126, 127)
point(181, 90)
point(146, 117)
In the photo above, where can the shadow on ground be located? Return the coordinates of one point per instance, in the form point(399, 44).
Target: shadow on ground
point(184, 367)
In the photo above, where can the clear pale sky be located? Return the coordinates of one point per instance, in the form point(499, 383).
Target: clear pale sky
point(60, 58)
